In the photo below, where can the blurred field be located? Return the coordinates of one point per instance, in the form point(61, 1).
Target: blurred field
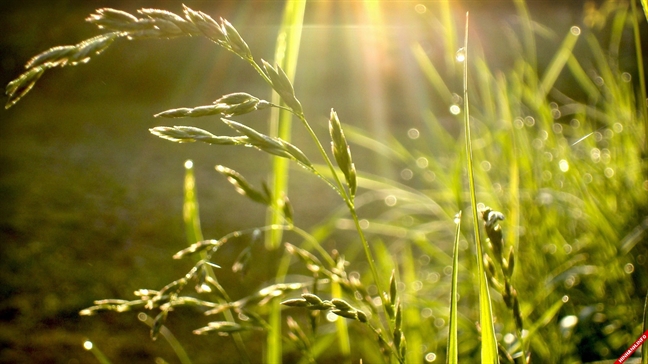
point(91, 203)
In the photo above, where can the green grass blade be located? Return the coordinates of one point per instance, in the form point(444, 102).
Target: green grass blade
point(344, 342)
point(583, 79)
point(528, 38)
point(191, 217)
point(558, 62)
point(453, 352)
point(641, 71)
point(412, 315)
point(181, 353)
point(431, 72)
point(489, 343)
point(98, 354)
point(286, 52)
point(190, 210)
point(543, 321)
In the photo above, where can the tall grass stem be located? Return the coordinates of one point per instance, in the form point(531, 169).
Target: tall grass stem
point(489, 342)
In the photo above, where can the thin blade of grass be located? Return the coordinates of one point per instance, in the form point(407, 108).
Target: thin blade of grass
point(558, 62)
point(169, 337)
point(543, 321)
point(286, 53)
point(489, 343)
point(583, 79)
point(98, 354)
point(412, 322)
point(642, 75)
point(431, 72)
point(190, 207)
point(191, 216)
point(453, 352)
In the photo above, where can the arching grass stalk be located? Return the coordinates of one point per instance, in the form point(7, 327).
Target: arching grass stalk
point(180, 352)
point(489, 343)
point(98, 354)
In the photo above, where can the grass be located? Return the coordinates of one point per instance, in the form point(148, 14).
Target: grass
point(560, 275)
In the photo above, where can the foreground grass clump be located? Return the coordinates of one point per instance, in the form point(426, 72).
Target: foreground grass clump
point(557, 270)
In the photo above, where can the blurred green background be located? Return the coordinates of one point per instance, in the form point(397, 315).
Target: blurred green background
point(91, 203)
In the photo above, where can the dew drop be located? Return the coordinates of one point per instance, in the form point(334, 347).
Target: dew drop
point(422, 162)
point(331, 317)
point(570, 321)
point(407, 174)
point(626, 77)
point(417, 286)
point(87, 345)
point(461, 55)
point(413, 133)
point(574, 123)
point(563, 165)
point(628, 268)
point(188, 164)
point(430, 357)
point(455, 109)
point(457, 218)
point(617, 127)
point(420, 8)
point(575, 30)
point(529, 121)
point(486, 166)
point(518, 123)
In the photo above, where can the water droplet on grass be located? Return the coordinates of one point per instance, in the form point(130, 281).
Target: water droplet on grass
point(563, 165)
point(430, 357)
point(460, 56)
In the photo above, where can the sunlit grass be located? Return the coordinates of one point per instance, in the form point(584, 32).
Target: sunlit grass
point(567, 171)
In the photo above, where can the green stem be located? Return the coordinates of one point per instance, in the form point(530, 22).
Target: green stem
point(349, 202)
point(489, 344)
point(341, 324)
point(191, 216)
point(643, 102)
